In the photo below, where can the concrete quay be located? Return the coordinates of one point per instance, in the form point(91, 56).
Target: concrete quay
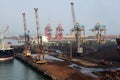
point(56, 70)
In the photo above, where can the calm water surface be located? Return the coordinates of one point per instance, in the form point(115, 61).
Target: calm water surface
point(16, 70)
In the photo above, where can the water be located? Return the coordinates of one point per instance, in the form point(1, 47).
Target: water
point(16, 70)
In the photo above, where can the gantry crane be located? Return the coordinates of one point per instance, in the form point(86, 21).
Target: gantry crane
point(27, 51)
point(48, 31)
point(98, 29)
point(59, 32)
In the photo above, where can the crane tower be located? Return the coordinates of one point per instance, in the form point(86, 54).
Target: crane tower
point(78, 29)
point(25, 29)
point(98, 29)
point(59, 32)
point(27, 51)
point(39, 38)
point(48, 31)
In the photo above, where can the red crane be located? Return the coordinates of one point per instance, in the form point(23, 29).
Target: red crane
point(59, 32)
point(48, 31)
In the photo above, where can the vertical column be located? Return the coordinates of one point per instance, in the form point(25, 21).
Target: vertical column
point(105, 35)
point(73, 13)
point(99, 35)
point(25, 29)
point(95, 34)
point(37, 26)
point(84, 39)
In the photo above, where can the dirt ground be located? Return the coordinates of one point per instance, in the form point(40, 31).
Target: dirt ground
point(63, 72)
point(107, 53)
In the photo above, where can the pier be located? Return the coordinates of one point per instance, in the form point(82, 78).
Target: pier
point(56, 70)
point(70, 69)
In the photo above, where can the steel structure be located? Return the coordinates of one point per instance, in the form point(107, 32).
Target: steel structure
point(39, 59)
point(27, 51)
point(25, 29)
point(98, 29)
point(48, 31)
point(78, 29)
point(3, 32)
point(79, 33)
point(73, 13)
point(59, 32)
point(38, 36)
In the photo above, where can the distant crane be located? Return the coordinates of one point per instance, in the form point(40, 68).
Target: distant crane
point(27, 51)
point(2, 44)
point(40, 57)
point(78, 31)
point(38, 35)
point(25, 29)
point(73, 13)
point(3, 32)
point(48, 31)
point(98, 29)
point(59, 32)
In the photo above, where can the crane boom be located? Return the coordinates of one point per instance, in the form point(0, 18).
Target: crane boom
point(3, 32)
point(27, 51)
point(77, 30)
point(25, 29)
point(37, 24)
point(39, 37)
point(73, 13)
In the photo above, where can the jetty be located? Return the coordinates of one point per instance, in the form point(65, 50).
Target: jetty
point(56, 70)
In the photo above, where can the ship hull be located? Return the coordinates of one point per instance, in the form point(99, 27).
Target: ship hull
point(6, 59)
point(6, 55)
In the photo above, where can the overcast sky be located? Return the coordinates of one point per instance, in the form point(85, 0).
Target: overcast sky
point(87, 12)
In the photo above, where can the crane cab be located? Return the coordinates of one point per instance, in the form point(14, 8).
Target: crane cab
point(27, 52)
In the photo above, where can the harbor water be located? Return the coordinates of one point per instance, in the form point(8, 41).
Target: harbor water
point(16, 70)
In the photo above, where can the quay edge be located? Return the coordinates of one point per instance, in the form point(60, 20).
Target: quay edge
point(53, 70)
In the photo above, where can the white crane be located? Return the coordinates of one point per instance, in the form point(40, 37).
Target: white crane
point(3, 32)
point(2, 45)
point(78, 29)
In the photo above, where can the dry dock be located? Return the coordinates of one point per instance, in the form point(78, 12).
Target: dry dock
point(56, 70)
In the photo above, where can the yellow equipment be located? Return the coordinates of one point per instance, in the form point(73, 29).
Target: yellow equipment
point(39, 59)
point(27, 52)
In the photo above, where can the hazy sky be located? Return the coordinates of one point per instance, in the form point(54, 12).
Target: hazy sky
point(55, 12)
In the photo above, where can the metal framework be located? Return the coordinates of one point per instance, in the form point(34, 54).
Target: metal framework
point(59, 32)
point(79, 31)
point(37, 27)
point(98, 35)
point(25, 29)
point(48, 31)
